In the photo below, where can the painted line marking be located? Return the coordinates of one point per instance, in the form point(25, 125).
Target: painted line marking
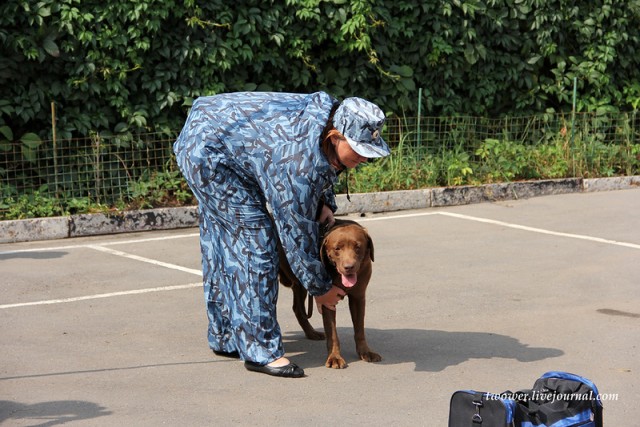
point(540, 230)
point(122, 293)
point(121, 242)
point(101, 247)
point(402, 216)
point(98, 296)
point(147, 260)
point(380, 218)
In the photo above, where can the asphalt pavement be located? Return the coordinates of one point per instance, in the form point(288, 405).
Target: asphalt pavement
point(111, 330)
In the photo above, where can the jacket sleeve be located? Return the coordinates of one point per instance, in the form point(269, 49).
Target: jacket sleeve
point(299, 238)
point(329, 199)
point(294, 201)
point(298, 178)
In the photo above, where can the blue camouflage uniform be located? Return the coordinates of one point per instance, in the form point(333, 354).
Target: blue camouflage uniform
point(245, 155)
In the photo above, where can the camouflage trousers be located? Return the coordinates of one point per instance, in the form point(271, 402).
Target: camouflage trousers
point(240, 266)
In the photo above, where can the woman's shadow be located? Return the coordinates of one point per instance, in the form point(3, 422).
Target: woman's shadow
point(431, 351)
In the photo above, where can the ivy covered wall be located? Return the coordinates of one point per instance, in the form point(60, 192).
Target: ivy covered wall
point(136, 65)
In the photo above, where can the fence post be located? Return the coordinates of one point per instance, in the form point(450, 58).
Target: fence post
point(419, 114)
point(573, 108)
point(573, 123)
point(55, 147)
point(97, 166)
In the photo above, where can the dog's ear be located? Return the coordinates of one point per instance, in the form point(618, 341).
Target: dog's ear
point(323, 252)
point(370, 243)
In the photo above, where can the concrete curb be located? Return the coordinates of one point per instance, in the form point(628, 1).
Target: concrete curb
point(170, 218)
point(609, 184)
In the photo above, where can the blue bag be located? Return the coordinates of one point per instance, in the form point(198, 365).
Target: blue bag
point(559, 399)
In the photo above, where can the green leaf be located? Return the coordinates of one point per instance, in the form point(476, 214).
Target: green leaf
point(31, 140)
point(408, 84)
point(120, 127)
point(51, 47)
point(402, 70)
point(28, 154)
point(139, 121)
point(6, 132)
point(534, 59)
point(6, 110)
point(44, 12)
point(470, 55)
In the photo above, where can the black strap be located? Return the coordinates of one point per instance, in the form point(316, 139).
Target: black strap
point(598, 414)
point(478, 402)
point(310, 307)
point(347, 184)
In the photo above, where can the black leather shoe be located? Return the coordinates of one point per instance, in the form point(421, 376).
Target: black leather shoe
point(232, 354)
point(288, 371)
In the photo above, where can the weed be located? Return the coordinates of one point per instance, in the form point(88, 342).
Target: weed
point(166, 188)
point(501, 160)
point(32, 205)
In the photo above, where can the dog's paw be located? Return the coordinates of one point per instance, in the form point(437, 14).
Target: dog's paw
point(370, 356)
point(314, 335)
point(335, 362)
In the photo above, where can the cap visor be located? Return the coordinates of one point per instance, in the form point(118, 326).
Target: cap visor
point(369, 151)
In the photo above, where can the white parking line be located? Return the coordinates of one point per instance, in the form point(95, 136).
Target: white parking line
point(117, 294)
point(117, 242)
point(402, 216)
point(147, 260)
point(101, 247)
point(541, 230)
point(377, 218)
point(98, 296)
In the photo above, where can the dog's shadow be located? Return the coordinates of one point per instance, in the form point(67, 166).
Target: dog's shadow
point(431, 351)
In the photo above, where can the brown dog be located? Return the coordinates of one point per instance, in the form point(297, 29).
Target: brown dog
point(347, 253)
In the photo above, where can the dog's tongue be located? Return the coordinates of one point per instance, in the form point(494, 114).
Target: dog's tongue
point(350, 280)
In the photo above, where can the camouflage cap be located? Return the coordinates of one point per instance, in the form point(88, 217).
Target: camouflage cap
point(361, 121)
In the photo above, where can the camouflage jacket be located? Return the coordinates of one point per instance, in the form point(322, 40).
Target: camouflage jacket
point(272, 141)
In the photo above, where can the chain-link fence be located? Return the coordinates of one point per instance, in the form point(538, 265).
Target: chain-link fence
point(103, 169)
point(474, 150)
point(582, 132)
point(114, 170)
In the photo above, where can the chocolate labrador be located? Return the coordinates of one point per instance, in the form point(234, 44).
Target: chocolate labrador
point(347, 253)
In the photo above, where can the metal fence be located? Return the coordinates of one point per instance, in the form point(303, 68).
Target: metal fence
point(113, 169)
point(103, 169)
point(438, 133)
point(472, 150)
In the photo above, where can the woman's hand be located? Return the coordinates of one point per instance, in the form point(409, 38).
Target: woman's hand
point(330, 299)
point(326, 217)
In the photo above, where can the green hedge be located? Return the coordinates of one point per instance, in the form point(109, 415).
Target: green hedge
point(135, 65)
